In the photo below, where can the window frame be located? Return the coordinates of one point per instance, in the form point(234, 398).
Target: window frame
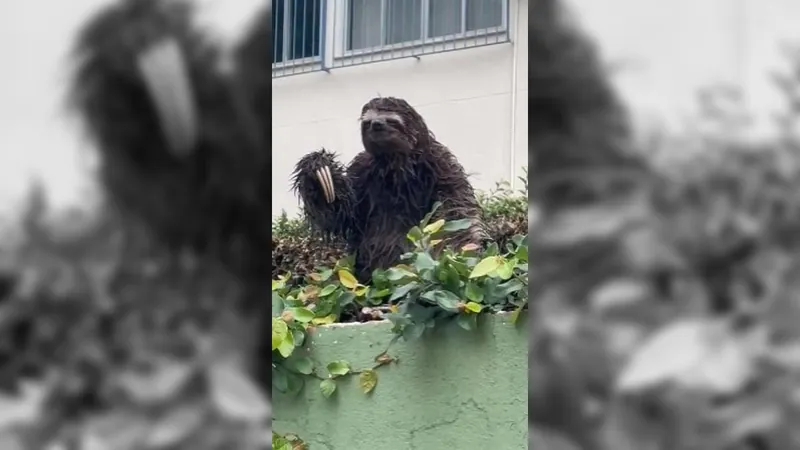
point(427, 44)
point(287, 42)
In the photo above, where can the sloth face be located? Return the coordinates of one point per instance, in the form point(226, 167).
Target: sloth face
point(383, 132)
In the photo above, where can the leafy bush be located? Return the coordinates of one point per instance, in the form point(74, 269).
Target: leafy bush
point(429, 286)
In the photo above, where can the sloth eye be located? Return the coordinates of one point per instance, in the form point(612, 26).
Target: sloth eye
point(393, 122)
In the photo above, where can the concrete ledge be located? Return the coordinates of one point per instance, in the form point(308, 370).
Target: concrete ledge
point(452, 389)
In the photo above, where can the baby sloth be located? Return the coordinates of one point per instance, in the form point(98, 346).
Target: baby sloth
point(388, 188)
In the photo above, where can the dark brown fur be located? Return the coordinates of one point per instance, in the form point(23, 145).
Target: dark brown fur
point(389, 188)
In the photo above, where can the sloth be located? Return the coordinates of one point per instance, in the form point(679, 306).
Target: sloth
point(388, 188)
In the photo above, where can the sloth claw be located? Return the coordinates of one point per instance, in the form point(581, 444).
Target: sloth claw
point(326, 181)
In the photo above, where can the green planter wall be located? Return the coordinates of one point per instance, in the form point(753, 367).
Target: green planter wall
point(451, 389)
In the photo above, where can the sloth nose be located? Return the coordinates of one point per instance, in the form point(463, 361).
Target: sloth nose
point(377, 125)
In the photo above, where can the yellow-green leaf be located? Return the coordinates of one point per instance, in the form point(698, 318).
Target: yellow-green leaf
point(278, 284)
point(330, 318)
point(474, 307)
point(279, 332)
point(506, 270)
point(515, 315)
point(368, 379)
point(347, 279)
point(302, 315)
point(362, 291)
point(327, 387)
point(434, 227)
point(486, 266)
point(286, 347)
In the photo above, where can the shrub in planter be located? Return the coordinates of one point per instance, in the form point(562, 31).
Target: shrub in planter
point(415, 295)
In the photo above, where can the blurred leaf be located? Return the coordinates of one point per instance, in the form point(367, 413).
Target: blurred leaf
point(119, 430)
point(235, 395)
point(543, 439)
point(696, 353)
point(176, 426)
point(166, 379)
point(26, 408)
point(327, 290)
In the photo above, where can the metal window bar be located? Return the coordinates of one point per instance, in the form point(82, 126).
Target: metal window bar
point(300, 40)
point(299, 27)
point(482, 13)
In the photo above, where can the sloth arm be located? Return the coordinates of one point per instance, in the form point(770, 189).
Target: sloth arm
point(457, 197)
point(326, 190)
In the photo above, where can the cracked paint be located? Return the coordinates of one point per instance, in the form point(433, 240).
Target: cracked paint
point(465, 390)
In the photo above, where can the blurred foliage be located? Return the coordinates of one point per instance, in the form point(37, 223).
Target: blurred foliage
point(666, 316)
point(108, 341)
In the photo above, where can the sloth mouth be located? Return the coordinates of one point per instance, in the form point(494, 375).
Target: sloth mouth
point(163, 70)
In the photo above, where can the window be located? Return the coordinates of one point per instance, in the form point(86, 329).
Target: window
point(377, 23)
point(297, 30)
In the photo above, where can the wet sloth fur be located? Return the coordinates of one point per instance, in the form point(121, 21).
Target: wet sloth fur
point(388, 188)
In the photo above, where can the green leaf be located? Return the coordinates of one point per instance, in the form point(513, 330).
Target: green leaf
point(279, 332)
point(434, 227)
point(280, 443)
point(414, 235)
point(474, 292)
point(423, 261)
point(346, 298)
point(509, 287)
point(303, 315)
point(368, 379)
point(327, 290)
point(428, 216)
point(381, 293)
point(486, 266)
point(327, 387)
point(474, 307)
point(397, 274)
point(445, 299)
point(302, 364)
point(522, 253)
point(403, 290)
point(339, 368)
point(330, 318)
point(457, 225)
point(286, 347)
point(278, 284)
point(413, 331)
point(467, 321)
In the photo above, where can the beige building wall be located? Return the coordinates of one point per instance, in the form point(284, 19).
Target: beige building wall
point(474, 99)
